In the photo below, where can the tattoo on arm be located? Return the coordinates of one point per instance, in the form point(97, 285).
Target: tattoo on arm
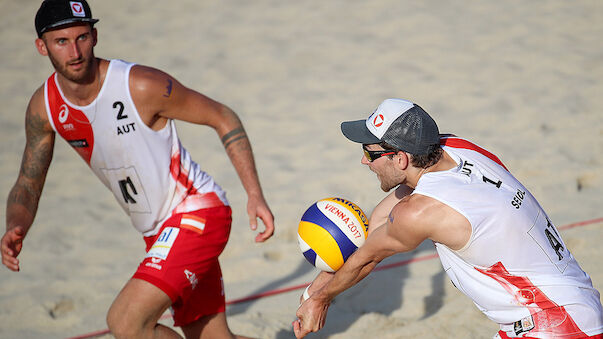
point(34, 165)
point(232, 136)
point(168, 88)
point(38, 149)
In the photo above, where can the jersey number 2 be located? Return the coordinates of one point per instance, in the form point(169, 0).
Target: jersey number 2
point(120, 113)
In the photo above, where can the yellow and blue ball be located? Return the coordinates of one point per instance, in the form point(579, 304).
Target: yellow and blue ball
point(330, 231)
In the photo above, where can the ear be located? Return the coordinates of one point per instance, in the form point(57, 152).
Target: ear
point(41, 47)
point(402, 160)
point(94, 36)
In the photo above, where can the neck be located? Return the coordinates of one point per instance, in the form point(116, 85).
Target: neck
point(84, 91)
point(445, 163)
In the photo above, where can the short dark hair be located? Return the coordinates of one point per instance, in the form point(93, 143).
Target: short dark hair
point(420, 161)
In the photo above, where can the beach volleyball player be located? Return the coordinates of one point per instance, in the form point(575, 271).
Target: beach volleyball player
point(496, 243)
point(118, 117)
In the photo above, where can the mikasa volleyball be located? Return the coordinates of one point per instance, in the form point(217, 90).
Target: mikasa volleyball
point(330, 231)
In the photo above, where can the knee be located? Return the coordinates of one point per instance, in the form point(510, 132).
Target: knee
point(122, 327)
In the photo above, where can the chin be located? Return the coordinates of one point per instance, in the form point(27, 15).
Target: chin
point(387, 188)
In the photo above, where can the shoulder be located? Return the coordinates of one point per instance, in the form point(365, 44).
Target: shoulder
point(148, 83)
point(145, 78)
point(36, 110)
point(37, 103)
point(423, 218)
point(37, 98)
point(407, 223)
point(414, 212)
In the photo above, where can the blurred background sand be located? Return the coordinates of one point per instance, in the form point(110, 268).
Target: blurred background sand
point(522, 79)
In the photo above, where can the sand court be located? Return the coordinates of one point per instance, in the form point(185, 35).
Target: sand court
point(521, 79)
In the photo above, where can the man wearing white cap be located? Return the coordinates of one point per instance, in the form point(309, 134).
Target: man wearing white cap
point(494, 240)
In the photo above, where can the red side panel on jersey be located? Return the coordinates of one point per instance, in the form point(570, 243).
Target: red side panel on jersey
point(72, 124)
point(462, 143)
point(180, 175)
point(550, 319)
point(192, 199)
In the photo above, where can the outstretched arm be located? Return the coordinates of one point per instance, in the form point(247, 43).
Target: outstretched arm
point(22, 202)
point(399, 234)
point(378, 218)
point(159, 97)
point(414, 219)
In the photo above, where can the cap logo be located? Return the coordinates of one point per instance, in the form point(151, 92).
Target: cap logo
point(77, 9)
point(378, 121)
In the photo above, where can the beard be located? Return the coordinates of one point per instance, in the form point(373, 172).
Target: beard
point(390, 180)
point(84, 75)
point(386, 186)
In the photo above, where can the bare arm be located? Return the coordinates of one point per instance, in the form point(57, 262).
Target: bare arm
point(159, 97)
point(22, 202)
point(379, 245)
point(378, 218)
point(411, 221)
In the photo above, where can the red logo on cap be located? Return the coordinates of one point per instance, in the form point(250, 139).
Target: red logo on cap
point(77, 8)
point(378, 121)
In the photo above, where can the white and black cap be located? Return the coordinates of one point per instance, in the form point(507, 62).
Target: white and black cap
point(400, 123)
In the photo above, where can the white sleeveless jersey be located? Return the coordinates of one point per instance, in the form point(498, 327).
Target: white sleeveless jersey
point(515, 262)
point(151, 175)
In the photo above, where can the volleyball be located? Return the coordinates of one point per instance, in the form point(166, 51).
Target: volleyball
point(330, 231)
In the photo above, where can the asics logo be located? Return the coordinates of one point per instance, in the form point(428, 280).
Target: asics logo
point(63, 113)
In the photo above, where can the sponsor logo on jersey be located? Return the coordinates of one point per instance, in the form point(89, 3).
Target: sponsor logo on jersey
point(63, 113)
point(78, 143)
point(523, 325)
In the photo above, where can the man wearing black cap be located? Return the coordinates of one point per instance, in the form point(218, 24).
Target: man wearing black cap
point(118, 117)
point(494, 240)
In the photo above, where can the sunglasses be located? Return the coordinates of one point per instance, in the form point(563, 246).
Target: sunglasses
point(374, 155)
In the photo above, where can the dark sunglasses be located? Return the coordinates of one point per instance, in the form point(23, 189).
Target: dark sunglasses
point(374, 155)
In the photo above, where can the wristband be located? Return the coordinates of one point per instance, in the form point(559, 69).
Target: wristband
point(306, 295)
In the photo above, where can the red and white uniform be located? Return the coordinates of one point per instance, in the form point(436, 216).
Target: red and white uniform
point(151, 175)
point(515, 266)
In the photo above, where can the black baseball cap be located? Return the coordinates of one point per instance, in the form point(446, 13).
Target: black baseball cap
point(400, 123)
point(56, 13)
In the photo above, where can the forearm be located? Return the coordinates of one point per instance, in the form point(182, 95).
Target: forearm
point(378, 246)
point(21, 207)
point(321, 279)
point(356, 268)
point(238, 147)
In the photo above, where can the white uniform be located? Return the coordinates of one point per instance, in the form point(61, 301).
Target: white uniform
point(151, 175)
point(515, 264)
